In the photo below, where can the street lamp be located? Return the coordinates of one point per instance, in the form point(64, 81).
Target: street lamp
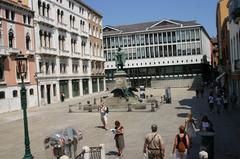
point(21, 61)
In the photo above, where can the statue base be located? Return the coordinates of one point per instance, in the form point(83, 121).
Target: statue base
point(120, 79)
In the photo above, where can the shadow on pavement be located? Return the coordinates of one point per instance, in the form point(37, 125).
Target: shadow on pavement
point(186, 107)
point(182, 115)
point(112, 153)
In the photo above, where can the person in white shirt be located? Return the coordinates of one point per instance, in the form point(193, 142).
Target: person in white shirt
point(103, 114)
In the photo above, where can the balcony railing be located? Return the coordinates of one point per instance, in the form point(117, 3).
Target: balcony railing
point(50, 51)
point(13, 51)
point(62, 25)
point(45, 19)
point(3, 51)
point(234, 10)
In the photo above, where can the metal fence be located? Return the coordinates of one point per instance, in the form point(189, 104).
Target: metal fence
point(95, 152)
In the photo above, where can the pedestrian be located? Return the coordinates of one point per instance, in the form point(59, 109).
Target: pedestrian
point(211, 102)
point(225, 102)
point(206, 124)
point(181, 144)
point(233, 100)
point(219, 103)
point(103, 114)
point(154, 145)
point(203, 155)
point(197, 92)
point(62, 97)
point(119, 138)
point(190, 128)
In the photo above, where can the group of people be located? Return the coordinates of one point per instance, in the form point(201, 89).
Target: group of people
point(118, 129)
point(154, 146)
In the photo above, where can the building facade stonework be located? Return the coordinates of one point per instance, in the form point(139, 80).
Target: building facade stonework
point(158, 50)
point(66, 56)
point(63, 43)
point(16, 37)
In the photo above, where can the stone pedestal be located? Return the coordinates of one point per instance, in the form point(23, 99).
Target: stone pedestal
point(120, 79)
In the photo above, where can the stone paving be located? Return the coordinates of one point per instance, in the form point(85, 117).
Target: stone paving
point(47, 119)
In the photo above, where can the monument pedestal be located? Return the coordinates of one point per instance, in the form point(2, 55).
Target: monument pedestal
point(120, 79)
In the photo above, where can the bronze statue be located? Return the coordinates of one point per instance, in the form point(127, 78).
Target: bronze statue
point(120, 59)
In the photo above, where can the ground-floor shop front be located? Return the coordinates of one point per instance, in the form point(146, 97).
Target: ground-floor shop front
point(61, 90)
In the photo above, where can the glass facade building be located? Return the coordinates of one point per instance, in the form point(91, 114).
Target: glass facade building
point(157, 50)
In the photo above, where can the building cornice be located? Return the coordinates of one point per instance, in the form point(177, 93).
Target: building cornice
point(153, 30)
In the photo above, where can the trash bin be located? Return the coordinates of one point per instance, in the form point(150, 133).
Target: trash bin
point(61, 143)
point(207, 142)
point(168, 98)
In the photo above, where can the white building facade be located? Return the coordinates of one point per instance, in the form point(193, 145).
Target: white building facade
point(63, 54)
point(234, 39)
point(158, 50)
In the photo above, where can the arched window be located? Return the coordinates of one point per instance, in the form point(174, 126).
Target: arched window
point(31, 91)
point(40, 35)
point(58, 15)
point(43, 8)
point(28, 42)
point(48, 8)
point(10, 38)
point(45, 39)
point(62, 16)
point(73, 21)
point(70, 20)
point(2, 95)
point(15, 93)
point(39, 7)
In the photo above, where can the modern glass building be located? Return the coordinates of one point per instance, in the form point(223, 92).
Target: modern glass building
point(158, 50)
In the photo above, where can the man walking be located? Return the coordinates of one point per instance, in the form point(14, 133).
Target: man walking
point(153, 144)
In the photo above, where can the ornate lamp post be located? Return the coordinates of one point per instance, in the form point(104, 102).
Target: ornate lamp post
point(21, 61)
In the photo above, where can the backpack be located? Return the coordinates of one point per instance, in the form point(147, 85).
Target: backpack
point(107, 111)
point(181, 144)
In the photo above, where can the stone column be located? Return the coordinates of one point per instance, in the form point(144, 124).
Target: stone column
point(90, 85)
point(104, 83)
point(81, 87)
point(70, 88)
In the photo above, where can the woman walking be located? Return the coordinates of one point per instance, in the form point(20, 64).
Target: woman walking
point(119, 138)
point(181, 144)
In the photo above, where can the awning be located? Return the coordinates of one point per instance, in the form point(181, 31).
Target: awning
point(220, 76)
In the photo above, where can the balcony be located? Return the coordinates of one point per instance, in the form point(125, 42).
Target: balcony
point(74, 30)
point(234, 10)
point(46, 20)
point(62, 26)
point(64, 53)
point(3, 51)
point(84, 33)
point(13, 51)
point(49, 51)
point(76, 55)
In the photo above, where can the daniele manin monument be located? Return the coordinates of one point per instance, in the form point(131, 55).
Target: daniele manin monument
point(121, 88)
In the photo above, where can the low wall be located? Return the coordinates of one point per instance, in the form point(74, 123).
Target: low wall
point(177, 83)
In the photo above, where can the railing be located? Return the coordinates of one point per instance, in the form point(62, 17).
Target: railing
point(95, 152)
point(81, 155)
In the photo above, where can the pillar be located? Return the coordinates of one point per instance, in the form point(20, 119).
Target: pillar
point(81, 87)
point(70, 88)
point(98, 85)
point(90, 85)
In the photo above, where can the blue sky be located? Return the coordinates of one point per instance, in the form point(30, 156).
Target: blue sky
point(119, 12)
